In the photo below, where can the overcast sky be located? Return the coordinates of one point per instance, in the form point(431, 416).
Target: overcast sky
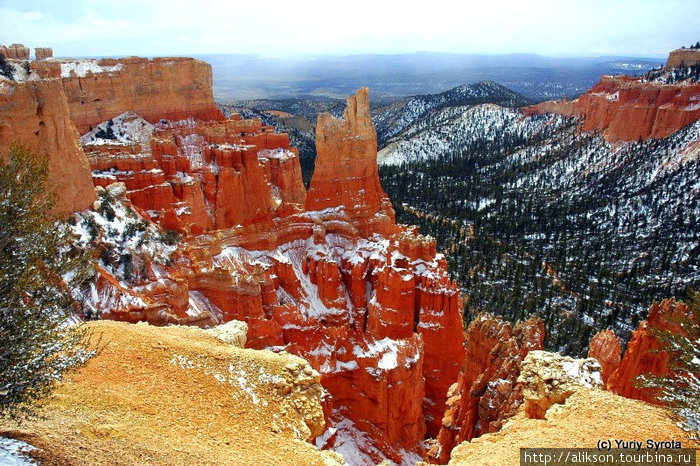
point(641, 28)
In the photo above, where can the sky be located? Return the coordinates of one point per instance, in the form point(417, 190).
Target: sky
point(638, 28)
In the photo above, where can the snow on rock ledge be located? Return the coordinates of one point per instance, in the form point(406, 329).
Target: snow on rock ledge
point(550, 378)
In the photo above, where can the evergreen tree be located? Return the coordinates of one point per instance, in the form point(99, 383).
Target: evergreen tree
point(37, 274)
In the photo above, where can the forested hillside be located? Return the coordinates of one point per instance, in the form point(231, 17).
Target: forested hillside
point(538, 217)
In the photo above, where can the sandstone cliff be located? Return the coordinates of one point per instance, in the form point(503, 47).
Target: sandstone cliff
point(644, 353)
point(368, 303)
point(15, 52)
point(686, 57)
point(629, 109)
point(162, 88)
point(36, 113)
point(487, 392)
point(605, 347)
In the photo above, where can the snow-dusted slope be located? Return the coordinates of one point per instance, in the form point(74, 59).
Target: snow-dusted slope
point(127, 128)
point(539, 217)
point(451, 129)
point(395, 118)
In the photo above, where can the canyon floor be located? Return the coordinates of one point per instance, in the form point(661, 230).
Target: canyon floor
point(155, 396)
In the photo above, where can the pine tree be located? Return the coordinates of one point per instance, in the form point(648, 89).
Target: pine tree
point(37, 273)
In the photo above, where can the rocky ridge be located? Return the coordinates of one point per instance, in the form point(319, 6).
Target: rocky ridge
point(633, 108)
point(51, 104)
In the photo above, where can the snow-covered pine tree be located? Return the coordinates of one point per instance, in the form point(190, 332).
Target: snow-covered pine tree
point(38, 272)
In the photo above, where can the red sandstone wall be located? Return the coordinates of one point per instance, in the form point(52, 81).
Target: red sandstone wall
point(170, 88)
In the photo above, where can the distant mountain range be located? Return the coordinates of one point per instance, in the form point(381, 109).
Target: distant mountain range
point(245, 77)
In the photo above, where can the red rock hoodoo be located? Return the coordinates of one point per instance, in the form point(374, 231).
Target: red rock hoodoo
point(42, 53)
point(328, 276)
point(644, 354)
point(346, 168)
point(605, 347)
point(486, 392)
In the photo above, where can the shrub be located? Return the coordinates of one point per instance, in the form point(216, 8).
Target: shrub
point(37, 274)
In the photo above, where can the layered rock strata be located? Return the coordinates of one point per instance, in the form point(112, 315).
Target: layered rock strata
point(332, 279)
point(48, 114)
point(161, 88)
point(36, 114)
point(15, 52)
point(42, 53)
point(683, 57)
point(630, 109)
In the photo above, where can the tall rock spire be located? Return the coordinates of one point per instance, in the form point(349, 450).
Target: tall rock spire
point(346, 168)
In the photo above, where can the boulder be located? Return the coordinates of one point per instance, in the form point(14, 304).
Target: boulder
point(550, 378)
point(233, 332)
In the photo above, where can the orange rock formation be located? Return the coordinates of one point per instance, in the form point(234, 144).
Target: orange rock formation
point(644, 355)
point(42, 53)
point(15, 52)
point(486, 392)
point(605, 347)
point(162, 88)
point(686, 57)
point(346, 168)
point(629, 109)
point(35, 113)
point(328, 276)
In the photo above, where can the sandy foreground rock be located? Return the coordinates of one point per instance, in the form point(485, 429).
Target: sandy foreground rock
point(585, 417)
point(179, 396)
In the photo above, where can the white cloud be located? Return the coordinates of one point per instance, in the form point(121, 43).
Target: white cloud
point(559, 27)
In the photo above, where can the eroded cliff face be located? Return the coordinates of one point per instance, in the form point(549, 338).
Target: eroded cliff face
point(367, 302)
point(644, 354)
point(346, 168)
point(630, 109)
point(605, 347)
point(487, 391)
point(195, 177)
point(685, 57)
point(161, 88)
point(35, 113)
point(48, 113)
